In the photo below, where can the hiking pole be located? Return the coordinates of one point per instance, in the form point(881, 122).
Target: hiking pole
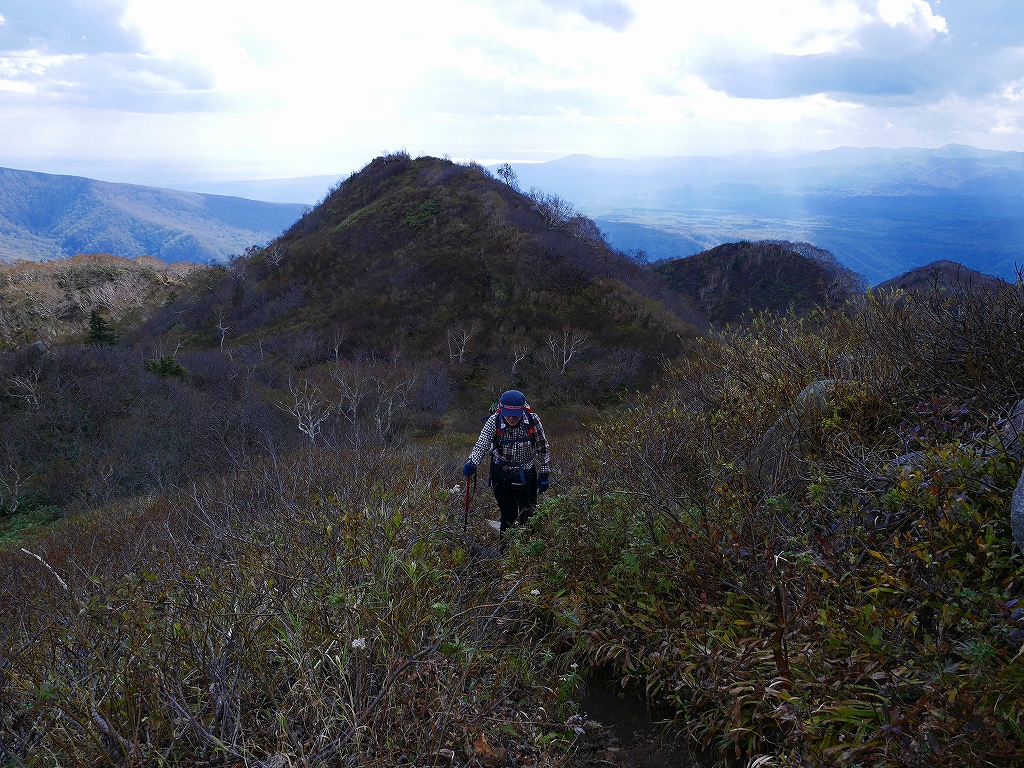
point(465, 517)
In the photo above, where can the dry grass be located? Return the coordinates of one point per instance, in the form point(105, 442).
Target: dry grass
point(319, 610)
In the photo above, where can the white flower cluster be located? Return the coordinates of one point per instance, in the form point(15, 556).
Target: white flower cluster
point(359, 643)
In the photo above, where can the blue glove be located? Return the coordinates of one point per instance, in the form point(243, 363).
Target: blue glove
point(543, 482)
point(468, 469)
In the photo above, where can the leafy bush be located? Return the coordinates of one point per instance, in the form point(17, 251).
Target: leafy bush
point(849, 607)
point(164, 366)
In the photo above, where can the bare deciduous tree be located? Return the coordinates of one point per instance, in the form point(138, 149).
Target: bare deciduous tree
point(393, 384)
point(373, 393)
point(353, 380)
point(223, 331)
point(340, 333)
point(10, 489)
point(556, 211)
point(127, 291)
point(26, 386)
point(273, 253)
point(520, 352)
point(584, 229)
point(308, 406)
point(564, 348)
point(459, 336)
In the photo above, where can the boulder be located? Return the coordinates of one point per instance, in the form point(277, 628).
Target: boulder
point(1017, 514)
point(1013, 431)
point(781, 450)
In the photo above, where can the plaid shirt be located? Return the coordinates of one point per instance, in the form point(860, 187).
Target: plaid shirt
point(519, 452)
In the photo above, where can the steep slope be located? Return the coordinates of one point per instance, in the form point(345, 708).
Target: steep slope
point(446, 263)
point(734, 279)
point(399, 308)
point(52, 301)
point(43, 216)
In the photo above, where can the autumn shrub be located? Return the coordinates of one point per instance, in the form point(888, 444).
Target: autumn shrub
point(313, 609)
point(855, 606)
point(53, 301)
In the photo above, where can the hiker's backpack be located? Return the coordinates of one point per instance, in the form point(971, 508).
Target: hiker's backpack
point(499, 427)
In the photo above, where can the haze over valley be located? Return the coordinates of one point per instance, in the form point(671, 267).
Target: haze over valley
point(881, 212)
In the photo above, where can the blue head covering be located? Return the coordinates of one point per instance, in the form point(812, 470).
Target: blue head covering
point(513, 403)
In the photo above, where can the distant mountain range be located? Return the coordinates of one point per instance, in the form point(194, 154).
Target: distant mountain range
point(880, 211)
point(305, 190)
point(43, 216)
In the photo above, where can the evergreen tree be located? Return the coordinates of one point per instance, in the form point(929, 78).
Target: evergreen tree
point(100, 331)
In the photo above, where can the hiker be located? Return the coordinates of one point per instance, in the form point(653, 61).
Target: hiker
point(520, 458)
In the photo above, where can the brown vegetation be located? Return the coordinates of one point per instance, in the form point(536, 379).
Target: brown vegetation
point(311, 610)
point(274, 569)
point(741, 279)
point(858, 605)
point(52, 300)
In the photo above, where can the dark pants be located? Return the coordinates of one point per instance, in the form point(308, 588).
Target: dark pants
point(516, 494)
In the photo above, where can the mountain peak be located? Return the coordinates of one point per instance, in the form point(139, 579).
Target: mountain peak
point(425, 255)
point(942, 275)
point(742, 278)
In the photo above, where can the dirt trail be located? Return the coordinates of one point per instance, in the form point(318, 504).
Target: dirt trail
point(628, 737)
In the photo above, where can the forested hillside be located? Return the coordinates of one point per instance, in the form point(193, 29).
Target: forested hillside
point(43, 216)
point(440, 262)
point(53, 301)
point(737, 279)
point(402, 306)
point(791, 538)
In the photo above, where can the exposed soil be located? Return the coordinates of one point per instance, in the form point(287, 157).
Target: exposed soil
point(618, 730)
point(627, 736)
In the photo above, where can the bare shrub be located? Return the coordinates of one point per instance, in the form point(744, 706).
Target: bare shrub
point(557, 212)
point(312, 594)
point(309, 406)
point(564, 347)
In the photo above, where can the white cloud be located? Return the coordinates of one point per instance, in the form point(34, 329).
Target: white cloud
point(614, 14)
point(67, 26)
point(912, 13)
point(15, 86)
point(315, 88)
point(872, 51)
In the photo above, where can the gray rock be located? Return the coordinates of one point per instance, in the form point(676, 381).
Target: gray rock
point(912, 459)
point(1017, 514)
point(1013, 431)
point(781, 450)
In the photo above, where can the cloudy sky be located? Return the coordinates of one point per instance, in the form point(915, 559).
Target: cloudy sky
point(153, 91)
